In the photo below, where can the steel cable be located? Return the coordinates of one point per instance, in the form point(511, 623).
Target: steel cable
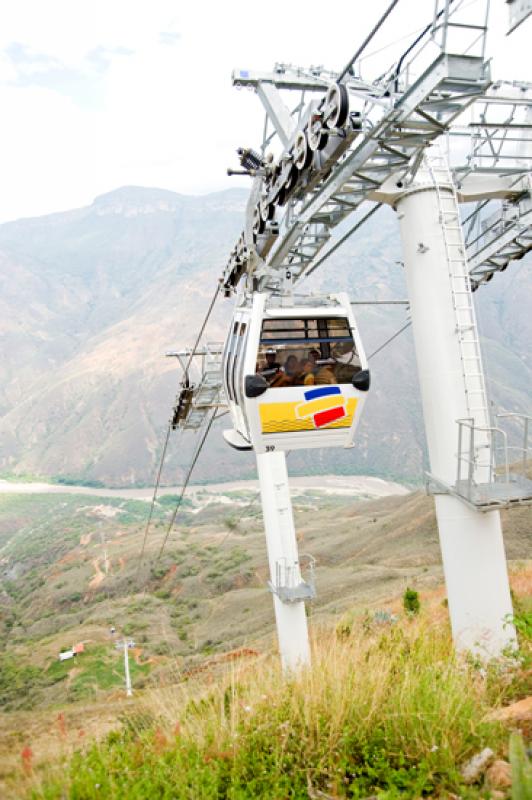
point(200, 334)
point(169, 428)
point(154, 498)
point(367, 40)
point(387, 342)
point(187, 479)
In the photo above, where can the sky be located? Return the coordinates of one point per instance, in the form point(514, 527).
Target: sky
point(98, 94)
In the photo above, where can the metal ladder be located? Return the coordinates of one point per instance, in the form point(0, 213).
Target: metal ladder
point(466, 324)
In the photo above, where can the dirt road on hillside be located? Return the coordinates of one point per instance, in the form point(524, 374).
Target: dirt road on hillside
point(98, 578)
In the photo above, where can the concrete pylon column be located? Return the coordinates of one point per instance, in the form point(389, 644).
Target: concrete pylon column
point(290, 618)
point(471, 542)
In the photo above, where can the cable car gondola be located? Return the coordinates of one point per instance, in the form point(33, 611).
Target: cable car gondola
point(295, 373)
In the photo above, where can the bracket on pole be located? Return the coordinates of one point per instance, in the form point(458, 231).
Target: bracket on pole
point(289, 585)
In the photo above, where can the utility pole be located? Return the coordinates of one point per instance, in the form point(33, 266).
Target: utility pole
point(129, 690)
point(124, 645)
point(289, 591)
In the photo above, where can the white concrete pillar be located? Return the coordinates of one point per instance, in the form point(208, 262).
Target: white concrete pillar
point(290, 618)
point(471, 541)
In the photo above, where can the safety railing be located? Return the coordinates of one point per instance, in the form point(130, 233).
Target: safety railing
point(472, 469)
point(454, 29)
point(487, 475)
point(522, 449)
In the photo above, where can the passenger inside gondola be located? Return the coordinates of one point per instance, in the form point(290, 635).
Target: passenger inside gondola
point(306, 374)
point(304, 352)
point(270, 367)
point(314, 356)
point(325, 373)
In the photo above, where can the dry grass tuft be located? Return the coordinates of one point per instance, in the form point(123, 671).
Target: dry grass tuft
point(384, 709)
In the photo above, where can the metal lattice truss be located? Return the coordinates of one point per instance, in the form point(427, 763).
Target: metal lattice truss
point(356, 141)
point(519, 11)
point(196, 399)
point(497, 174)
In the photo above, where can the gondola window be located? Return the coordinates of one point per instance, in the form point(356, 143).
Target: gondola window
point(307, 352)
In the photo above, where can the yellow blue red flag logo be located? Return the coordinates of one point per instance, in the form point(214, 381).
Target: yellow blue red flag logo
point(323, 405)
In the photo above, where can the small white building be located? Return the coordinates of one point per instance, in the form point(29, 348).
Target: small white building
point(66, 655)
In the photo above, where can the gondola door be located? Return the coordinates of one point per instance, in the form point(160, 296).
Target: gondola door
point(233, 369)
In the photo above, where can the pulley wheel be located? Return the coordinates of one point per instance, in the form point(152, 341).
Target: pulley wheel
point(317, 139)
point(302, 152)
point(291, 179)
point(258, 223)
point(282, 196)
point(276, 191)
point(267, 210)
point(336, 106)
point(286, 182)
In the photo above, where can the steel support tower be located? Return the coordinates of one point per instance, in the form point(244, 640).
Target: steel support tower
point(452, 385)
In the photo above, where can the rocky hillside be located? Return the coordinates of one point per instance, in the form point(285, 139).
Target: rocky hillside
point(70, 571)
point(92, 298)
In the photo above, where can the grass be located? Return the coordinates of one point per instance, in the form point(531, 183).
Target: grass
point(102, 669)
point(97, 670)
point(386, 711)
point(193, 617)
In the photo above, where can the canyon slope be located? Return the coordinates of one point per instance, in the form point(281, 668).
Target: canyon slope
point(92, 298)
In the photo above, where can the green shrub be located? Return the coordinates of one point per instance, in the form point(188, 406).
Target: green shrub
point(411, 602)
point(523, 624)
point(161, 649)
point(16, 680)
point(20, 684)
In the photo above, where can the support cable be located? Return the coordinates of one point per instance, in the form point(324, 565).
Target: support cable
point(387, 342)
point(203, 326)
point(155, 490)
point(367, 40)
point(416, 41)
point(342, 239)
point(187, 480)
point(169, 428)
point(392, 44)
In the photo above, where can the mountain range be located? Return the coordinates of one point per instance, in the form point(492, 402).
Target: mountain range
point(92, 298)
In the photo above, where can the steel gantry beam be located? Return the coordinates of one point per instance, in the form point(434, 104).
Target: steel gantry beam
point(329, 163)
